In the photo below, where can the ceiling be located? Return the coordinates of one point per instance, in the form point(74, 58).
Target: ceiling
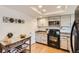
point(49, 10)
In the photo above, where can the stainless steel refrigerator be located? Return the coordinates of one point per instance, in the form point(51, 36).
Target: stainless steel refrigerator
point(74, 39)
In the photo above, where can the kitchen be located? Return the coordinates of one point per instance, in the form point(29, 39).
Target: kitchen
point(62, 27)
point(43, 26)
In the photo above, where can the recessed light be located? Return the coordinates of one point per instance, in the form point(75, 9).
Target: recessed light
point(44, 10)
point(40, 6)
point(58, 6)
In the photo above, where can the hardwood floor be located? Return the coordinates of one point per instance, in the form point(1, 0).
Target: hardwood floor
point(39, 48)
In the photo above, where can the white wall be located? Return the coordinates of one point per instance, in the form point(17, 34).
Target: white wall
point(28, 27)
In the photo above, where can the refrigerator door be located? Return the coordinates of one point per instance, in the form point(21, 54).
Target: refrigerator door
point(74, 40)
point(73, 37)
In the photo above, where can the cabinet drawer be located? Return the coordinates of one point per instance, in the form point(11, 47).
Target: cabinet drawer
point(63, 44)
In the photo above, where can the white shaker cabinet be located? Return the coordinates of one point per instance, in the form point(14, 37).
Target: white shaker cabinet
point(64, 41)
point(41, 37)
point(66, 20)
point(37, 37)
point(42, 22)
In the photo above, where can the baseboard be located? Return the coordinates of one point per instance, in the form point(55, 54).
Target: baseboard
point(65, 50)
point(42, 43)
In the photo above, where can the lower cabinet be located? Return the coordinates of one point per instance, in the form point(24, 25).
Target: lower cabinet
point(41, 37)
point(64, 42)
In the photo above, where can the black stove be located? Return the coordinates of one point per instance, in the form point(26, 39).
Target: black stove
point(54, 38)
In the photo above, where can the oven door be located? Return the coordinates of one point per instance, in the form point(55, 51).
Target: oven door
point(54, 38)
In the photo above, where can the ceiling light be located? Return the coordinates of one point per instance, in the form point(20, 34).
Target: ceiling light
point(44, 10)
point(58, 6)
point(40, 6)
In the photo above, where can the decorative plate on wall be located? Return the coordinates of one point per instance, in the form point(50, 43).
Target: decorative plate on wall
point(5, 19)
point(11, 20)
point(16, 20)
point(22, 21)
point(19, 21)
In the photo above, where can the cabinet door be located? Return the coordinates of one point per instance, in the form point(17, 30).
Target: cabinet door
point(41, 38)
point(65, 20)
point(42, 22)
point(63, 43)
point(69, 46)
point(39, 22)
point(72, 19)
point(44, 39)
point(37, 38)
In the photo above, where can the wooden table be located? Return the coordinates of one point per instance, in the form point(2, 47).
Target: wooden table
point(16, 45)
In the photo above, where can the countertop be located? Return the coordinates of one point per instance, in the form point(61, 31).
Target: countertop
point(41, 31)
point(12, 41)
point(65, 29)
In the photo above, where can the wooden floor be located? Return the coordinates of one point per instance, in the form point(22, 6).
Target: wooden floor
point(39, 48)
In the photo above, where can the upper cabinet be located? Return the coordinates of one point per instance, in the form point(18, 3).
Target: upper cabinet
point(66, 20)
point(42, 22)
point(54, 21)
point(72, 19)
